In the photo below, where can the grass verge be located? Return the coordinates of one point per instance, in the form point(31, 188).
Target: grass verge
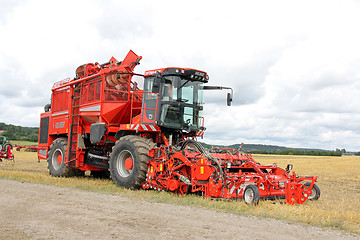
point(337, 207)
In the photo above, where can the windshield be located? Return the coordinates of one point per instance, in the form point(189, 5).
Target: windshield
point(181, 90)
point(180, 102)
point(188, 114)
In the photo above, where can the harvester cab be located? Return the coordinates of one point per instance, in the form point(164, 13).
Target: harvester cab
point(173, 99)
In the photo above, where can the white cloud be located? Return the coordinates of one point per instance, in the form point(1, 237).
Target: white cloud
point(293, 64)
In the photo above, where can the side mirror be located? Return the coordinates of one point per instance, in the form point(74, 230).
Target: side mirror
point(229, 99)
point(229, 95)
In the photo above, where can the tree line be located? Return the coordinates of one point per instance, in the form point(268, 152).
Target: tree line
point(337, 152)
point(279, 150)
point(12, 132)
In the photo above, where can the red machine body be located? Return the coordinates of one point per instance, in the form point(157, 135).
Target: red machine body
point(100, 121)
point(94, 96)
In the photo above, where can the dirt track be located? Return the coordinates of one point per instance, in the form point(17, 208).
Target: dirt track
point(35, 211)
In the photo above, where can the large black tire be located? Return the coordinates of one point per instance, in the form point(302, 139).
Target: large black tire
point(135, 148)
point(251, 195)
point(315, 192)
point(56, 160)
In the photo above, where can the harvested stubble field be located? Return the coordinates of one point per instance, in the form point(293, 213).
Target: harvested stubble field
point(338, 179)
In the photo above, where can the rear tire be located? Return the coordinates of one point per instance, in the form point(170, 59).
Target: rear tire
point(56, 160)
point(315, 192)
point(128, 161)
point(251, 195)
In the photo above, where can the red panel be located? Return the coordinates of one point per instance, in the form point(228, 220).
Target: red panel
point(59, 125)
point(202, 170)
point(60, 100)
point(129, 59)
point(116, 112)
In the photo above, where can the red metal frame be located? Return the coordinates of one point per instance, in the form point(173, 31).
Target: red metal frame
point(188, 171)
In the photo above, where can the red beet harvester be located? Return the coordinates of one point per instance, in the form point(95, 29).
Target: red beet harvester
point(101, 121)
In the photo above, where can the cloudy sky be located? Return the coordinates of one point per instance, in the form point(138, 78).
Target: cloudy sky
point(294, 65)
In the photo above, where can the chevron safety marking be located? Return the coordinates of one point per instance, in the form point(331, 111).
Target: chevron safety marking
point(200, 133)
point(143, 127)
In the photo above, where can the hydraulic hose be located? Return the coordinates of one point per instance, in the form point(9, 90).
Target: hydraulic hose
point(202, 150)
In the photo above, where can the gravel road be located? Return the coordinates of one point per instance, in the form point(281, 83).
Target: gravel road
point(36, 211)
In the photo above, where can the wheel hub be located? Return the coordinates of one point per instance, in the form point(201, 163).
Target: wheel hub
point(59, 159)
point(125, 163)
point(129, 164)
point(249, 196)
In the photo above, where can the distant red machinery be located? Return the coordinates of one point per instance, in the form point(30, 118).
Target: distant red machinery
point(102, 122)
point(5, 149)
point(28, 148)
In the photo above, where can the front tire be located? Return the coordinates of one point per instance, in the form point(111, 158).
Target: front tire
point(56, 160)
point(128, 161)
point(251, 195)
point(315, 192)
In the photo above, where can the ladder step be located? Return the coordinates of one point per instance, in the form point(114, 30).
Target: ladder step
point(75, 125)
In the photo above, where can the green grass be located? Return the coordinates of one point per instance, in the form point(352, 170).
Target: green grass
point(22, 143)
